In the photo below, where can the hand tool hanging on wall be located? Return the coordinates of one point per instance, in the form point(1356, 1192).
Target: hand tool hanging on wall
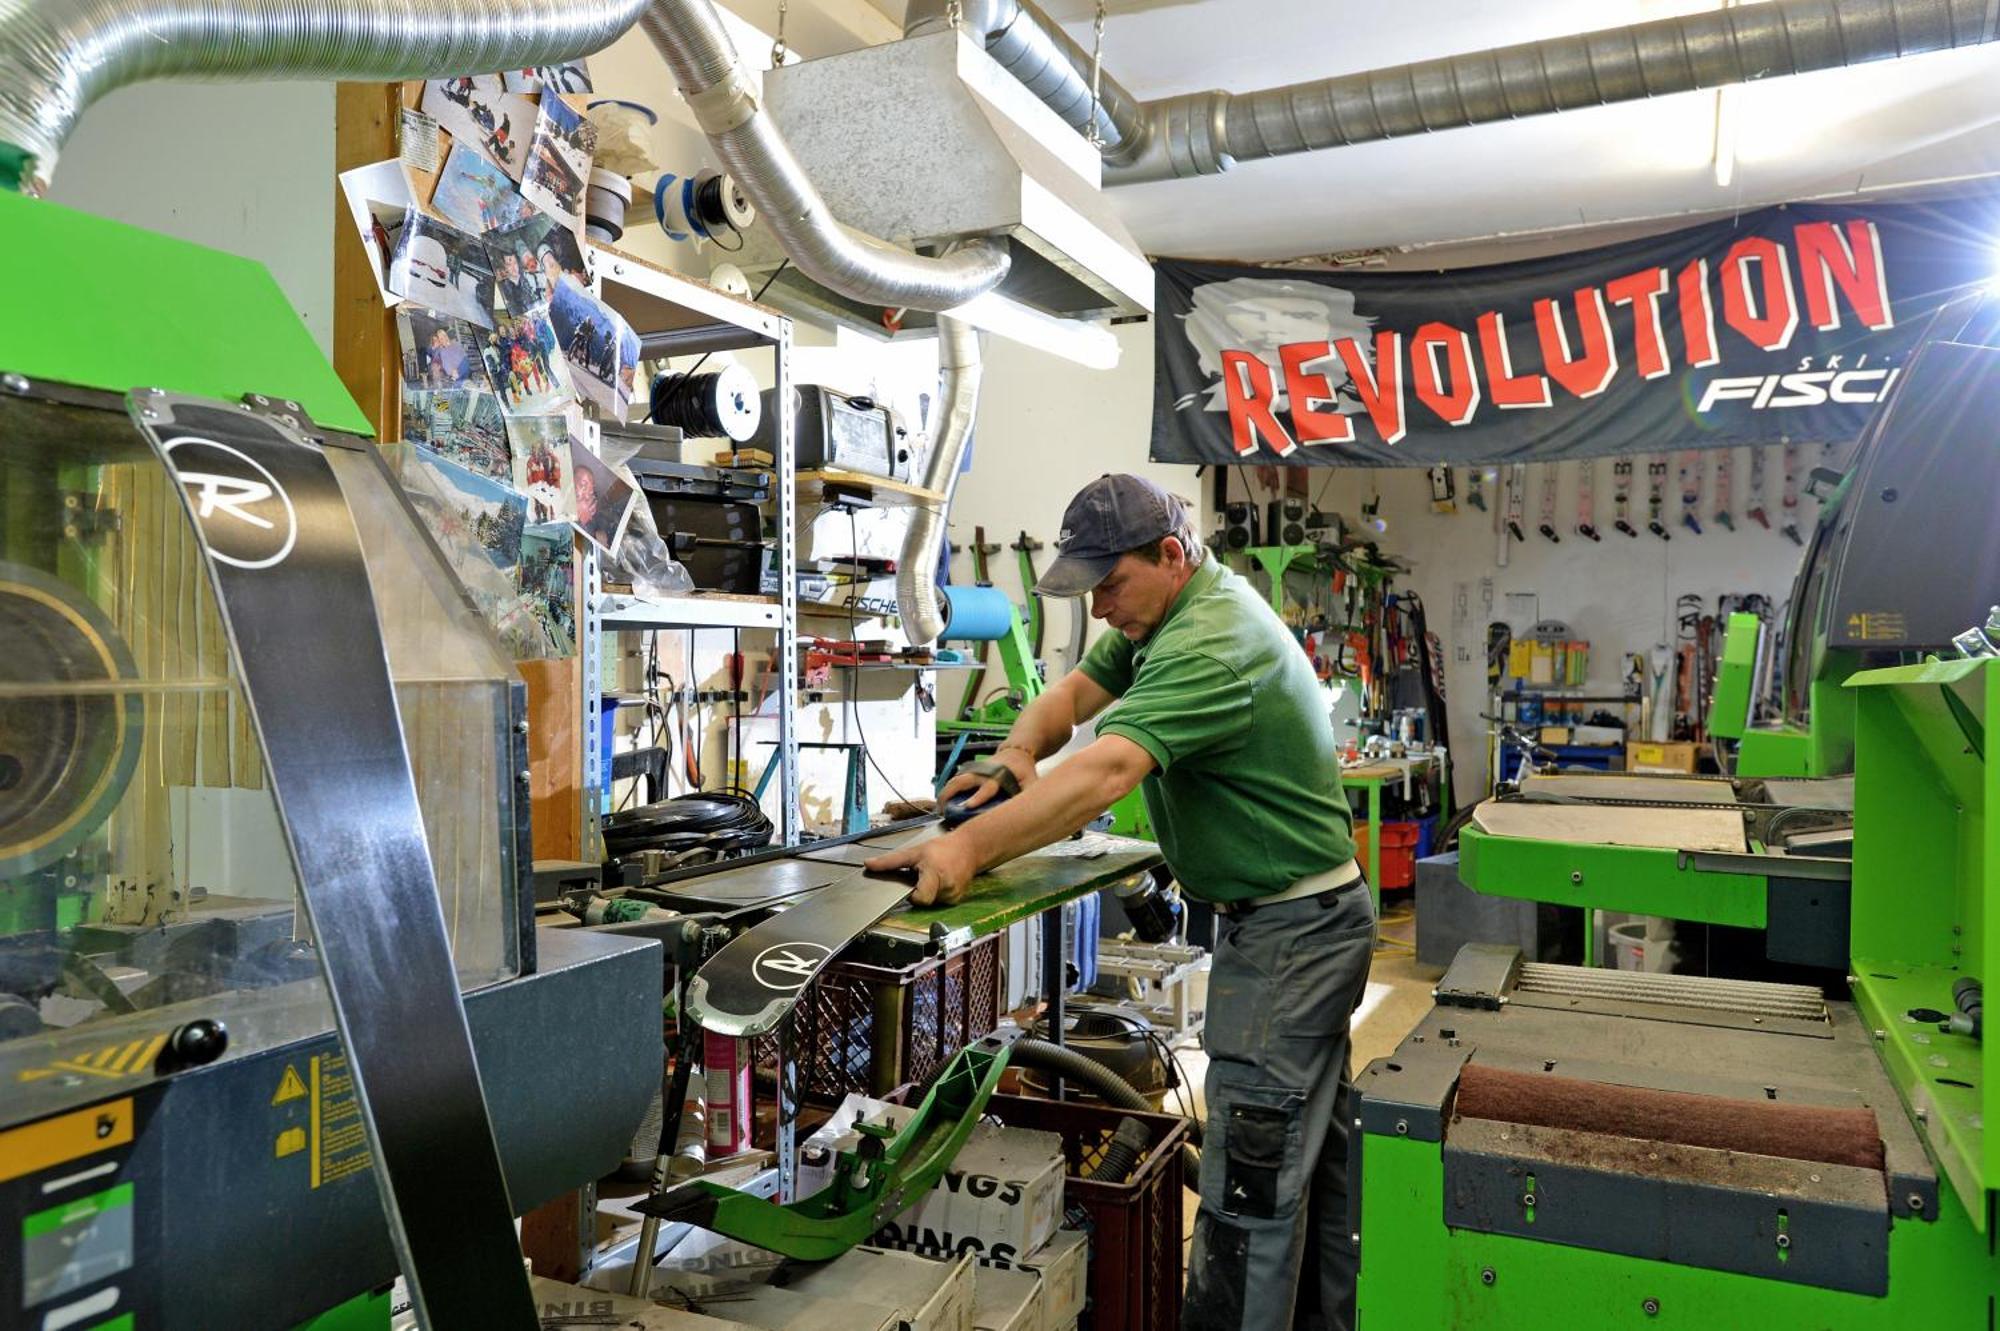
point(1475, 493)
point(1725, 484)
point(1443, 492)
point(1757, 513)
point(1691, 467)
point(1550, 478)
point(1586, 500)
point(1791, 496)
point(1656, 498)
point(1025, 547)
point(1517, 501)
point(1621, 497)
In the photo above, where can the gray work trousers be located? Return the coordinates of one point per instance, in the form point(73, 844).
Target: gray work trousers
point(1283, 986)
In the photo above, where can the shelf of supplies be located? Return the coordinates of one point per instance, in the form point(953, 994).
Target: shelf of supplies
point(660, 305)
point(698, 610)
point(876, 490)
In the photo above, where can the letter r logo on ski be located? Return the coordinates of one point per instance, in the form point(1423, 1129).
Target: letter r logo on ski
point(788, 966)
point(243, 512)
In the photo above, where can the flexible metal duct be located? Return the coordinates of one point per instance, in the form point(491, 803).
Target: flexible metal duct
point(1029, 45)
point(917, 599)
point(690, 36)
point(1204, 133)
point(59, 56)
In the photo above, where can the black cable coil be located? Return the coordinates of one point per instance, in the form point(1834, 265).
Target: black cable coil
point(726, 822)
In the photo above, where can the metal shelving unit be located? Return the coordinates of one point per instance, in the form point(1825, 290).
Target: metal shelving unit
point(677, 315)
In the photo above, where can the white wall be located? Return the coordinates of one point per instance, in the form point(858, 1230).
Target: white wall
point(244, 168)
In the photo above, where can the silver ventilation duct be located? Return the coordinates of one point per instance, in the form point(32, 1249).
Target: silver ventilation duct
point(956, 151)
point(696, 47)
point(917, 599)
point(1205, 133)
point(57, 57)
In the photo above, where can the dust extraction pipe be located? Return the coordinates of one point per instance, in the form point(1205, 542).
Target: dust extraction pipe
point(57, 57)
point(690, 36)
point(1205, 133)
point(918, 602)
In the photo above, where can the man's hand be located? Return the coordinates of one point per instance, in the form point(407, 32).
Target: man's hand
point(943, 865)
point(985, 788)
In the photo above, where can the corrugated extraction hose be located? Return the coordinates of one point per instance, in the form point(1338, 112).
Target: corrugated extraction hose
point(690, 36)
point(918, 601)
point(57, 57)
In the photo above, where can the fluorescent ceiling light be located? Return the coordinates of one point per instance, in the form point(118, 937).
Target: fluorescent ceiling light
point(1089, 344)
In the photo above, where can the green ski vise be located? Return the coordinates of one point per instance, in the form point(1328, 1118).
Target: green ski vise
point(872, 1184)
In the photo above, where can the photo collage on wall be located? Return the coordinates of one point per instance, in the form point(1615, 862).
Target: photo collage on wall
point(474, 238)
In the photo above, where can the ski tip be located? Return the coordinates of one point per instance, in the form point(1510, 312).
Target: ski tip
point(739, 1024)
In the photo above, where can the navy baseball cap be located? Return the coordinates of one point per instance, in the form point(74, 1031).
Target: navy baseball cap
point(1108, 517)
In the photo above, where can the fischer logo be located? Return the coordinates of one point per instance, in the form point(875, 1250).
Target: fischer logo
point(245, 515)
point(1803, 387)
point(788, 966)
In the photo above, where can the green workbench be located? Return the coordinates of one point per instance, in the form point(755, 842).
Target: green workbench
point(1374, 777)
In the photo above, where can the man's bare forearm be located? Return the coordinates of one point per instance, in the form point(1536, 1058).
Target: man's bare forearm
point(1073, 793)
point(1044, 726)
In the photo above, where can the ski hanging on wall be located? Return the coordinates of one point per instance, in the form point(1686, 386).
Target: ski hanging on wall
point(1517, 482)
point(1757, 513)
point(1725, 484)
point(1691, 468)
point(1790, 501)
point(1550, 479)
point(1586, 500)
point(1621, 497)
point(1656, 498)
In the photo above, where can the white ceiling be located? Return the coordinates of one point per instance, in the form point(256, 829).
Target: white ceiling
point(1922, 119)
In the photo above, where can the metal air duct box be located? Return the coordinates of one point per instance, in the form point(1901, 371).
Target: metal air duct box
point(927, 141)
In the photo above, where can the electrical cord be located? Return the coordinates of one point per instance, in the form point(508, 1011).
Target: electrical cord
point(723, 821)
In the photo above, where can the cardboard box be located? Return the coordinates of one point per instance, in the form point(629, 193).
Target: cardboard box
point(928, 1295)
point(772, 1309)
point(1671, 756)
point(1001, 1196)
point(1004, 1300)
point(558, 1304)
point(1064, 1266)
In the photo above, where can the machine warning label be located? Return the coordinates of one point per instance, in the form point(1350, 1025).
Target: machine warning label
point(339, 1141)
point(290, 1087)
point(1883, 626)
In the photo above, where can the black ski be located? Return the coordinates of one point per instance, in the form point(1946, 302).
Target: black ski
point(750, 985)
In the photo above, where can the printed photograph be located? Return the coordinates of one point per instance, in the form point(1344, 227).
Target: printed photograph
point(525, 365)
point(438, 266)
point(439, 352)
point(548, 589)
point(476, 519)
point(481, 114)
point(463, 426)
point(602, 349)
point(558, 164)
point(603, 501)
point(529, 258)
point(476, 195)
point(378, 199)
point(540, 447)
point(571, 76)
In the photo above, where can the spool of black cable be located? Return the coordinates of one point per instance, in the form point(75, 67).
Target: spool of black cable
point(724, 404)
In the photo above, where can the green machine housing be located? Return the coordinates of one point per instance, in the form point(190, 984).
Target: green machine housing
point(146, 889)
point(1571, 1146)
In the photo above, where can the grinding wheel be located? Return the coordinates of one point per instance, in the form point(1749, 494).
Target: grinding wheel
point(70, 719)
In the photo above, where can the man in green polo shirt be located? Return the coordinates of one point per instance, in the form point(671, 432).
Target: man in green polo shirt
point(1216, 715)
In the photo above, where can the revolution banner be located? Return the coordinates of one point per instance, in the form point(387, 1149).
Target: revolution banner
point(1786, 323)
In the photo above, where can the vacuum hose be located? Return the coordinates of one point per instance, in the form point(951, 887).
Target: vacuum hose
point(1072, 1066)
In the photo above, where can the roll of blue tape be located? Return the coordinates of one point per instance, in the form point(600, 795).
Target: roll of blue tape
point(978, 614)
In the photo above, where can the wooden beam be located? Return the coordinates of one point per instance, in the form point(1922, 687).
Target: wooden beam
point(365, 354)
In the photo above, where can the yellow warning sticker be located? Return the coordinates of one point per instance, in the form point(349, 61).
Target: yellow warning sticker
point(1879, 626)
point(290, 1142)
point(339, 1141)
point(290, 1087)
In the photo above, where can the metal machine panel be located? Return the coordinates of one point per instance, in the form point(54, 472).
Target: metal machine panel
point(1802, 1221)
point(1919, 559)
